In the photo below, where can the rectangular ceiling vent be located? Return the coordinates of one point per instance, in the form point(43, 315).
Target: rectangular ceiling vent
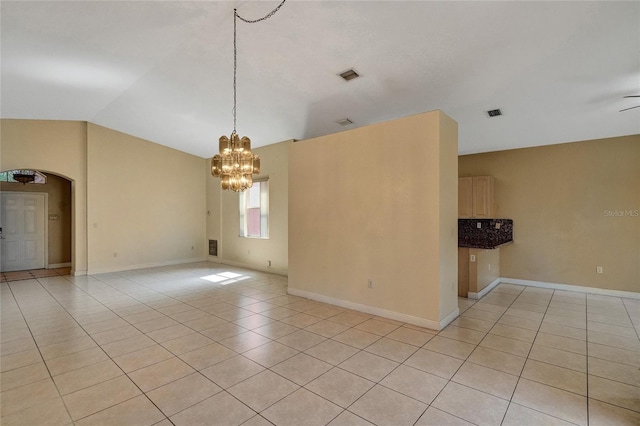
point(349, 74)
point(344, 122)
point(494, 112)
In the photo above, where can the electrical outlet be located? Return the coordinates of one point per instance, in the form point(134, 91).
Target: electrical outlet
point(479, 225)
point(370, 284)
point(599, 270)
point(472, 258)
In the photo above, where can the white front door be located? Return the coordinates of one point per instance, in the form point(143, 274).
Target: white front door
point(23, 231)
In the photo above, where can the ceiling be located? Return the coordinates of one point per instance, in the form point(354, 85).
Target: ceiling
point(163, 70)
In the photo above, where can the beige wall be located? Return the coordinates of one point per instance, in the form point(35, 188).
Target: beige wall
point(59, 225)
point(213, 210)
point(146, 203)
point(563, 201)
point(224, 220)
point(448, 214)
point(359, 211)
point(57, 147)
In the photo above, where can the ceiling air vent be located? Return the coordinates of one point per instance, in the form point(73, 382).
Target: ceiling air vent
point(349, 74)
point(494, 112)
point(344, 122)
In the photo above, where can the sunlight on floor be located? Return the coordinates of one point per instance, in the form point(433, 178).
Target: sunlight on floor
point(225, 278)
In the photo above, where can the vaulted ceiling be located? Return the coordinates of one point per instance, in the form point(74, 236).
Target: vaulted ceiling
point(163, 70)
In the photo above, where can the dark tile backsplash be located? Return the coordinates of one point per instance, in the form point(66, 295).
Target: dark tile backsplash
point(488, 236)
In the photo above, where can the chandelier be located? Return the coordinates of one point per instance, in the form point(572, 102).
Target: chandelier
point(235, 164)
point(24, 176)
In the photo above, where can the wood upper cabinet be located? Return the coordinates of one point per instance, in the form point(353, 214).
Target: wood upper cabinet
point(475, 197)
point(483, 197)
point(465, 197)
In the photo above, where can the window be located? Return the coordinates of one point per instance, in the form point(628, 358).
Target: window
point(37, 176)
point(254, 210)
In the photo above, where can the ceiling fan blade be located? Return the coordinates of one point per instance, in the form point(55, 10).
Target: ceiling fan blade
point(627, 109)
point(632, 96)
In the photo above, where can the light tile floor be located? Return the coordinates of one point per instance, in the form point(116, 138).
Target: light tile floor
point(209, 344)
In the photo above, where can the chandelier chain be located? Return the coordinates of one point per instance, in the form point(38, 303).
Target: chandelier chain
point(235, 51)
point(267, 16)
point(235, 165)
point(235, 67)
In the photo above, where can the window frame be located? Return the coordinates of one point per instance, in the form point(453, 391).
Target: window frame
point(243, 231)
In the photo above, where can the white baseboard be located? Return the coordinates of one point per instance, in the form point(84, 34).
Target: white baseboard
point(143, 266)
point(215, 259)
point(78, 273)
point(58, 265)
point(481, 293)
point(447, 320)
point(570, 287)
point(409, 319)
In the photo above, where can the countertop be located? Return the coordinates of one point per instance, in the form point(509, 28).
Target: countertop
point(484, 233)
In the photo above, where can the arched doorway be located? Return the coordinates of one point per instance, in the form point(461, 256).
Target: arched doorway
point(57, 216)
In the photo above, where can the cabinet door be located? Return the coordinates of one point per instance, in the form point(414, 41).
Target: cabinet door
point(483, 197)
point(465, 197)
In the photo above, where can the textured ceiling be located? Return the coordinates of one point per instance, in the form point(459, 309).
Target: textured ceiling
point(163, 70)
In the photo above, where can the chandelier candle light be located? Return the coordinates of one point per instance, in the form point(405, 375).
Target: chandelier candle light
point(235, 165)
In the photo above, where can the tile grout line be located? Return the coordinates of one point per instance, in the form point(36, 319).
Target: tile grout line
point(269, 368)
point(108, 356)
point(587, 355)
point(359, 350)
point(302, 352)
point(40, 353)
point(132, 296)
point(587, 374)
point(126, 374)
point(448, 380)
point(633, 325)
point(241, 354)
point(177, 356)
point(89, 335)
point(527, 359)
point(403, 363)
point(488, 332)
point(586, 328)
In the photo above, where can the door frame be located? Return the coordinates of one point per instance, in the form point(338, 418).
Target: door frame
point(45, 219)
